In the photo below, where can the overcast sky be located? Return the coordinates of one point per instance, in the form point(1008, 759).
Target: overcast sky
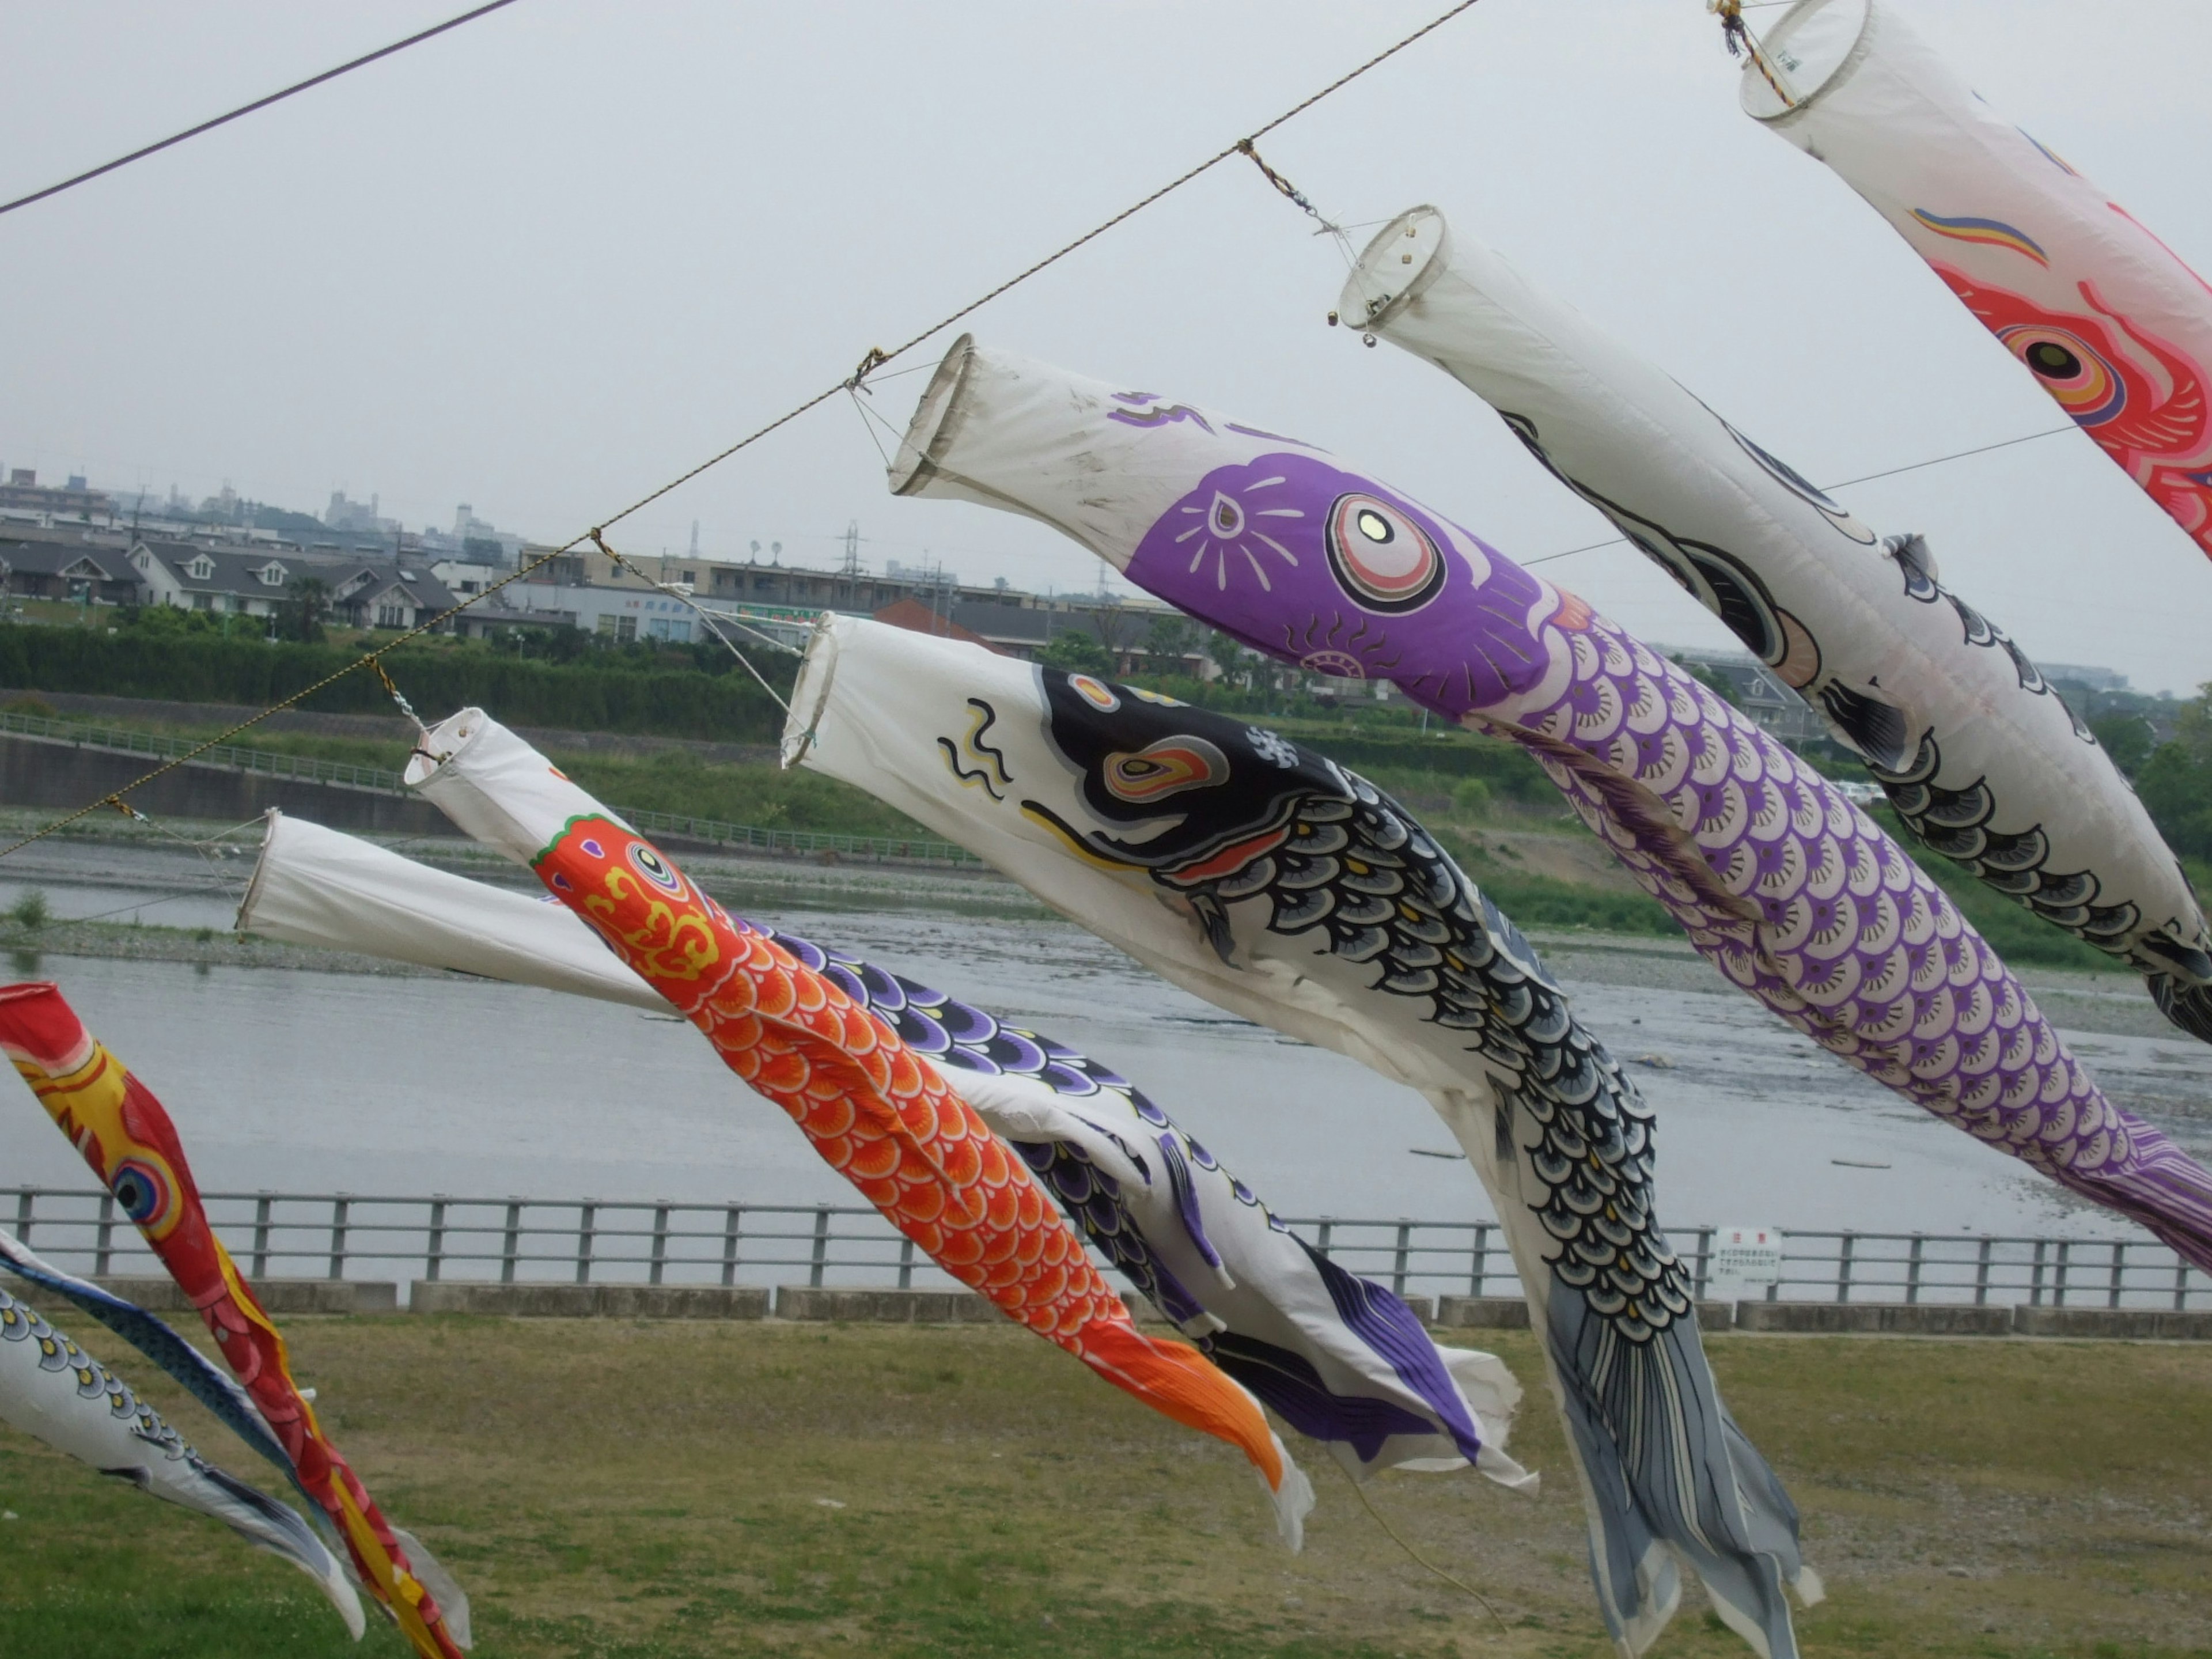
point(543, 263)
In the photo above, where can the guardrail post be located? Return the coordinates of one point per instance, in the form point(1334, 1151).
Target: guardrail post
point(1320, 1238)
point(510, 1243)
point(1398, 1260)
point(437, 1238)
point(2035, 1282)
point(261, 1234)
point(588, 1215)
point(1844, 1268)
point(821, 1245)
point(25, 1203)
point(905, 1264)
point(1477, 1269)
point(660, 1243)
point(1982, 1273)
point(2065, 1260)
point(101, 1250)
point(341, 1209)
point(2119, 1272)
point(730, 1245)
point(1912, 1268)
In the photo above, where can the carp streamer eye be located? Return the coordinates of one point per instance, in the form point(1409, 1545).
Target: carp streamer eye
point(146, 1193)
point(1163, 768)
point(1381, 557)
point(650, 865)
point(2073, 371)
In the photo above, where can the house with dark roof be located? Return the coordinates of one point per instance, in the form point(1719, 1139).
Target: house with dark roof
point(67, 571)
point(363, 592)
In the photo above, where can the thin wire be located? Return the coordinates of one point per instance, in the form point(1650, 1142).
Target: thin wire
point(1399, 1539)
point(1866, 477)
point(248, 109)
point(676, 593)
point(2002, 443)
point(875, 358)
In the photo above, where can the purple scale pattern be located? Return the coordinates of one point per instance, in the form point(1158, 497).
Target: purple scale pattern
point(1791, 890)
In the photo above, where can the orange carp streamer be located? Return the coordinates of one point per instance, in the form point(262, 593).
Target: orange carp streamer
point(884, 1119)
point(126, 1134)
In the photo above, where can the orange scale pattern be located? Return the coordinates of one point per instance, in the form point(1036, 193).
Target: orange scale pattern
point(886, 1120)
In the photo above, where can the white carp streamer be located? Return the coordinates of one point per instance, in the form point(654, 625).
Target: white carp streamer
point(1981, 758)
point(2105, 317)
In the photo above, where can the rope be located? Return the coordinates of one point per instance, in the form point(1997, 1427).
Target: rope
point(1421, 1560)
point(874, 358)
point(701, 612)
point(248, 109)
point(1866, 477)
point(1736, 35)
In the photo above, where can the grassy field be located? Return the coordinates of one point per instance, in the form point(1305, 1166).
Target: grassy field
point(666, 1491)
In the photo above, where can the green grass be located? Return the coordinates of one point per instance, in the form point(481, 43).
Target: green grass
point(653, 1492)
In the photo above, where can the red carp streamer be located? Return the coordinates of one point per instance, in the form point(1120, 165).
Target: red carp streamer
point(885, 1119)
point(125, 1135)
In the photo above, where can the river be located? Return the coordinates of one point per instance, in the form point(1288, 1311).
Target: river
point(296, 1080)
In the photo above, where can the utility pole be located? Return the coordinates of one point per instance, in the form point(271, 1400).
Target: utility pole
point(852, 548)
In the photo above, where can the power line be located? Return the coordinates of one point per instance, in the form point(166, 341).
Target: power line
point(873, 359)
point(248, 109)
point(1869, 477)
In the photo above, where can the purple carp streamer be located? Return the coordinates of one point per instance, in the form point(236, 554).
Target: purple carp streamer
point(1262, 878)
point(53, 1390)
point(1981, 758)
point(1341, 1358)
point(1792, 892)
point(2105, 317)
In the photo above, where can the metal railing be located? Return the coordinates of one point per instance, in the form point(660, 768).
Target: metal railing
point(305, 768)
point(591, 1241)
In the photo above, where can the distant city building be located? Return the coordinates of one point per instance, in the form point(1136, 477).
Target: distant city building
point(23, 497)
point(343, 514)
point(2093, 679)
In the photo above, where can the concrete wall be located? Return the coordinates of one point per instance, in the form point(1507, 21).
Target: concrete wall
point(41, 773)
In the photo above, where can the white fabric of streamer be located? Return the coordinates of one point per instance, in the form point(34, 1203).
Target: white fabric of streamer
point(2105, 317)
point(55, 1392)
point(971, 744)
point(318, 886)
point(1980, 757)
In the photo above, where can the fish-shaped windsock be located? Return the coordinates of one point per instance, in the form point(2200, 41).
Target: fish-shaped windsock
point(878, 1113)
point(1981, 758)
point(125, 1133)
point(2105, 317)
point(53, 1389)
point(1341, 1358)
point(1270, 882)
point(1792, 892)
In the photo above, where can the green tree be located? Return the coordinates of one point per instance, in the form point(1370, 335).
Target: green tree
point(1076, 653)
point(2127, 738)
point(303, 610)
point(1168, 640)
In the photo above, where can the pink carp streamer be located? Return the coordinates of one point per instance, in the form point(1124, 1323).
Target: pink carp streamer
point(2103, 314)
point(1792, 891)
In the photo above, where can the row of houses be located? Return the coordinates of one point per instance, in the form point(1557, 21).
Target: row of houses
point(363, 591)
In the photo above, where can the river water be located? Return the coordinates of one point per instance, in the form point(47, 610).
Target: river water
point(311, 1081)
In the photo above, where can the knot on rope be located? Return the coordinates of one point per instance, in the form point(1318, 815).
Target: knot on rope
point(392, 690)
point(872, 360)
point(1245, 147)
point(1736, 36)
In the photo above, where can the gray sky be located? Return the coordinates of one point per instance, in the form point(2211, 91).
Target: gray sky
point(547, 261)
